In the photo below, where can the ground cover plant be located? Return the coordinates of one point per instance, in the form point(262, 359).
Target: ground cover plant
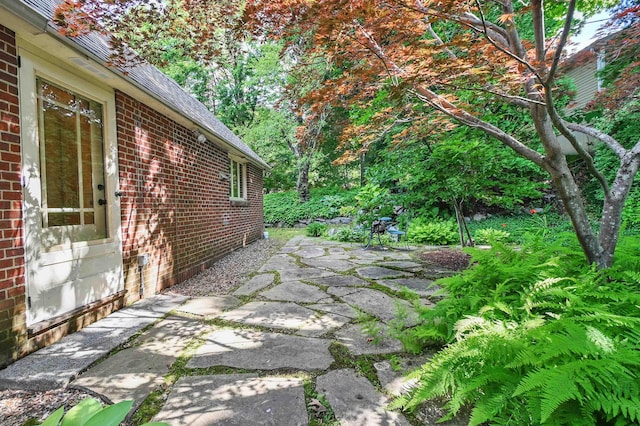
point(316, 229)
point(519, 226)
point(535, 336)
point(286, 209)
point(90, 412)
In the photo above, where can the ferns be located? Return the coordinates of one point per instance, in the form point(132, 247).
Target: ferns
point(535, 338)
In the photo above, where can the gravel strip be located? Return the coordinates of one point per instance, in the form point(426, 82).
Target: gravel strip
point(228, 273)
point(18, 406)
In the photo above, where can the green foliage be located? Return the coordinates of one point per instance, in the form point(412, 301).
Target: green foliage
point(347, 234)
point(89, 412)
point(316, 229)
point(490, 235)
point(373, 201)
point(422, 231)
point(457, 165)
point(624, 125)
point(535, 336)
point(285, 207)
point(520, 227)
point(267, 134)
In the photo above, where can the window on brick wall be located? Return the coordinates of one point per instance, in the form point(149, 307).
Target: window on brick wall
point(237, 179)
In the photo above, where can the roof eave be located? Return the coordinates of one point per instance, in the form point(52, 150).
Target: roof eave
point(43, 24)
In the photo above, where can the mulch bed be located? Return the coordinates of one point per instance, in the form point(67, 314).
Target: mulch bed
point(452, 259)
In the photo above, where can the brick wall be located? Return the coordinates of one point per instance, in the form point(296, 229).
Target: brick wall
point(175, 206)
point(12, 285)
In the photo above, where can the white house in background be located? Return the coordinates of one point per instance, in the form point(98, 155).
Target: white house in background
point(583, 67)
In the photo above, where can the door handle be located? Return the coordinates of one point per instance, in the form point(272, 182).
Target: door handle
point(102, 202)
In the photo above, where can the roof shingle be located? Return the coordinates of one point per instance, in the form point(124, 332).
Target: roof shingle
point(151, 80)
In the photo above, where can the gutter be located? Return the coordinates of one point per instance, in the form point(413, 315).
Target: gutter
point(25, 12)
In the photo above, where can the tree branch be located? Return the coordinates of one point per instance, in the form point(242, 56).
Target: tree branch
point(613, 144)
point(559, 124)
point(512, 99)
point(439, 40)
point(561, 43)
point(449, 109)
point(515, 44)
point(538, 31)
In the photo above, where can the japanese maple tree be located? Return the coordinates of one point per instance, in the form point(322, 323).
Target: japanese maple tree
point(459, 58)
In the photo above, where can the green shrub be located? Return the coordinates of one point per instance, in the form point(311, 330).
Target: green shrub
point(285, 207)
point(520, 227)
point(490, 236)
point(422, 231)
point(535, 336)
point(349, 235)
point(316, 229)
point(90, 412)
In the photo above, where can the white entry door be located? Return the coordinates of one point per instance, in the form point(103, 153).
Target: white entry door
point(72, 217)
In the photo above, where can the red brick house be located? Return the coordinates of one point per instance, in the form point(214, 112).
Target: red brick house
point(113, 186)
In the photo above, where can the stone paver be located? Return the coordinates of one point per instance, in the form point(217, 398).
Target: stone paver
point(359, 343)
point(355, 401)
point(295, 274)
point(309, 252)
point(363, 254)
point(256, 283)
point(421, 286)
point(402, 264)
point(339, 281)
point(256, 350)
point(235, 400)
point(133, 373)
point(56, 365)
point(295, 291)
point(378, 272)
point(288, 249)
point(375, 303)
point(393, 377)
point(342, 291)
point(337, 251)
point(279, 262)
point(209, 306)
point(398, 255)
point(285, 315)
point(335, 308)
point(327, 262)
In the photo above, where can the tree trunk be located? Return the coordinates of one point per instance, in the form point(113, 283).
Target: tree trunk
point(462, 225)
point(302, 185)
point(556, 164)
point(363, 180)
point(614, 203)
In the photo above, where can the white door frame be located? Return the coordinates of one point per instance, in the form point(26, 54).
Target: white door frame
point(67, 276)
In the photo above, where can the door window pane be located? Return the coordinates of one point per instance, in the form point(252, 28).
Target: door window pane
point(72, 166)
point(62, 219)
point(60, 152)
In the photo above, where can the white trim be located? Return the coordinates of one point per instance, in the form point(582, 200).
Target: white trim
point(83, 271)
point(242, 178)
